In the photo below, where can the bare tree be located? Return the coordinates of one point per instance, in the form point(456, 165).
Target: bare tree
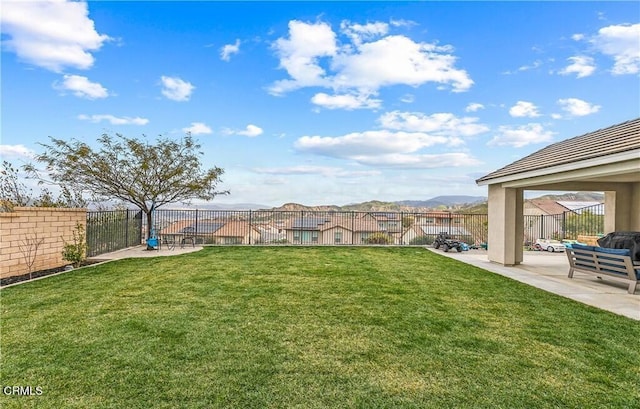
point(29, 249)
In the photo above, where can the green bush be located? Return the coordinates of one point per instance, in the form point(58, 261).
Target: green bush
point(378, 238)
point(422, 241)
point(75, 252)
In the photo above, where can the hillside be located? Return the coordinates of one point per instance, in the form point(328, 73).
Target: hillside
point(440, 203)
point(575, 196)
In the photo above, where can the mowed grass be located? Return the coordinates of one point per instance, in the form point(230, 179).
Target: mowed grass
point(312, 327)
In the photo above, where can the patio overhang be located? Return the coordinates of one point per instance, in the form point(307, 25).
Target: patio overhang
point(606, 161)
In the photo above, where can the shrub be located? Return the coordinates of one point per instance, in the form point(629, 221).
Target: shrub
point(378, 238)
point(75, 252)
point(422, 241)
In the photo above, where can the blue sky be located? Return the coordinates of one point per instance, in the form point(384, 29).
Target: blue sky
point(322, 102)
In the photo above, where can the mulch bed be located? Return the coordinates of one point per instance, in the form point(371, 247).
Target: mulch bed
point(42, 273)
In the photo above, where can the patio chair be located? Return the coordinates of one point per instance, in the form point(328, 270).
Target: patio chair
point(188, 235)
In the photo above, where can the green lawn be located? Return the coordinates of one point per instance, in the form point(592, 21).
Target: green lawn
point(281, 327)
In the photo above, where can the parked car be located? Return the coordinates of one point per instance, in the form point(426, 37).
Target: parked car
point(549, 245)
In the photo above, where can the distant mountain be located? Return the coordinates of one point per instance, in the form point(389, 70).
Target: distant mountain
point(230, 206)
point(575, 197)
point(447, 201)
point(295, 207)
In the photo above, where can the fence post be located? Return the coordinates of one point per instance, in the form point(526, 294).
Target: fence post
point(250, 221)
point(126, 228)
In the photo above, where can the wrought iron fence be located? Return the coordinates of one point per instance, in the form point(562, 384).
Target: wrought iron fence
point(313, 227)
point(568, 225)
point(113, 230)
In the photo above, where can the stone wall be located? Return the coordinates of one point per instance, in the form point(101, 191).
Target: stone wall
point(51, 225)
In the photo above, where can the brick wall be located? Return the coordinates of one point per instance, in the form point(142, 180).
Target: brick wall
point(52, 225)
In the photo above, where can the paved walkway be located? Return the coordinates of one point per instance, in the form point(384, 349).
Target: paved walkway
point(548, 271)
point(141, 251)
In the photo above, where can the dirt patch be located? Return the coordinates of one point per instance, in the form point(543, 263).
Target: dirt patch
point(42, 273)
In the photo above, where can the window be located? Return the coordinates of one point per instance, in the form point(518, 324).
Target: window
point(337, 237)
point(314, 236)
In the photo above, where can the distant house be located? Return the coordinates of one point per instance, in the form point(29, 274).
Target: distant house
point(211, 232)
point(333, 229)
point(237, 232)
point(438, 218)
point(544, 218)
point(387, 222)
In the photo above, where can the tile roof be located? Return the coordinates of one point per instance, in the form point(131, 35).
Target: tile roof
point(548, 206)
point(603, 142)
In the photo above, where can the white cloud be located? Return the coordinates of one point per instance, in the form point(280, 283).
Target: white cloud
point(577, 37)
point(197, 128)
point(363, 32)
point(251, 131)
point(474, 107)
point(176, 89)
point(408, 98)
point(16, 151)
point(524, 109)
point(399, 145)
point(345, 101)
point(621, 43)
point(367, 143)
point(534, 65)
point(402, 23)
point(81, 87)
point(229, 49)
point(366, 61)
point(398, 60)
point(443, 124)
point(581, 65)
point(299, 55)
point(520, 136)
point(51, 34)
point(327, 171)
point(578, 107)
point(404, 161)
point(114, 120)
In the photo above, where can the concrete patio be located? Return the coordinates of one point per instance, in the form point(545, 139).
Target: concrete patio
point(141, 251)
point(548, 271)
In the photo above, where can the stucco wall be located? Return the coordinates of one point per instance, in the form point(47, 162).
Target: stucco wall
point(52, 225)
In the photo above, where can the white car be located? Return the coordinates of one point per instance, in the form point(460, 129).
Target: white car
point(549, 245)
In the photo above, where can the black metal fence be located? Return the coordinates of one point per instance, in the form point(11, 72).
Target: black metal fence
point(313, 227)
point(569, 225)
point(113, 230)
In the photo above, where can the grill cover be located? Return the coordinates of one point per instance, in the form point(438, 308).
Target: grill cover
point(623, 240)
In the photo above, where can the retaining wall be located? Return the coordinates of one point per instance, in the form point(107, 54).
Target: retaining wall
point(51, 225)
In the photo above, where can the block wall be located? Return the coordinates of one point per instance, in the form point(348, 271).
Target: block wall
point(51, 225)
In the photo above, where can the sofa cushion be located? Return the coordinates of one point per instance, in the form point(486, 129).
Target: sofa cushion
point(577, 246)
point(617, 252)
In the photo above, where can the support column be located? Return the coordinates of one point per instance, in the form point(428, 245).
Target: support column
point(617, 209)
point(506, 225)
